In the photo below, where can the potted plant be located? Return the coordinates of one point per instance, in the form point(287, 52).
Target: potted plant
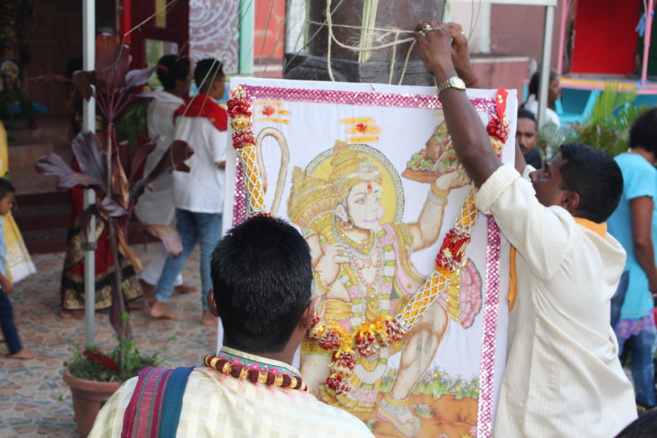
point(114, 170)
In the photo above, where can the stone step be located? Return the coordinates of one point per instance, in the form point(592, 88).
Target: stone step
point(53, 129)
point(26, 155)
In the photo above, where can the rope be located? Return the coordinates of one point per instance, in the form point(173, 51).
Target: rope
point(368, 47)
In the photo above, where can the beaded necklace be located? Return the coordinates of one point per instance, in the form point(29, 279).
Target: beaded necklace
point(255, 372)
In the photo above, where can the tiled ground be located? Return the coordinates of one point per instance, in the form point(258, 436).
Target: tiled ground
point(34, 400)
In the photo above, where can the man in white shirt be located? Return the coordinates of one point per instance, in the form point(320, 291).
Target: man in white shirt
point(562, 376)
point(198, 195)
point(262, 278)
point(156, 206)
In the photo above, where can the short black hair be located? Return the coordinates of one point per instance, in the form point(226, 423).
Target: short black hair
point(524, 113)
point(6, 187)
point(644, 131)
point(262, 278)
point(175, 67)
point(595, 176)
point(208, 71)
point(535, 80)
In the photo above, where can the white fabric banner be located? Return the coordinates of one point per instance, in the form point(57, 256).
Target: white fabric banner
point(353, 166)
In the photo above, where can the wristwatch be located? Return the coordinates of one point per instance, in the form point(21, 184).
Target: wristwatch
point(453, 82)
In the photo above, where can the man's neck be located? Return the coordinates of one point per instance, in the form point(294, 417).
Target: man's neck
point(285, 356)
point(649, 156)
point(176, 92)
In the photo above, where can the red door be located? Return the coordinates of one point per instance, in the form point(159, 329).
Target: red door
point(155, 28)
point(605, 39)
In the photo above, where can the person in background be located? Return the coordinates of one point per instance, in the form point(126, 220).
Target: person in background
point(156, 206)
point(527, 138)
point(198, 195)
point(9, 331)
point(634, 224)
point(554, 93)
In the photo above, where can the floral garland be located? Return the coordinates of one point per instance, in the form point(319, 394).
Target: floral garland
point(239, 110)
point(368, 337)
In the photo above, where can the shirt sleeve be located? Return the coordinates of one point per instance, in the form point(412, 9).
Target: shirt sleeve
point(542, 235)
point(218, 140)
point(641, 181)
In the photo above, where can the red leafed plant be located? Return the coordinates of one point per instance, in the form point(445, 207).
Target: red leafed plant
point(115, 173)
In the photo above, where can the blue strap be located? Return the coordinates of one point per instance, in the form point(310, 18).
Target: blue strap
point(173, 399)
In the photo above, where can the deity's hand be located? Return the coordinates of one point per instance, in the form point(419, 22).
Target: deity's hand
point(460, 53)
point(329, 265)
point(453, 180)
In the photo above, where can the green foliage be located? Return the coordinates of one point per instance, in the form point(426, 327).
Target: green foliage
point(437, 382)
point(86, 368)
point(606, 128)
point(132, 126)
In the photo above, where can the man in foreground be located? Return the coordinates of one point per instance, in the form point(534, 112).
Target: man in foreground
point(262, 278)
point(562, 376)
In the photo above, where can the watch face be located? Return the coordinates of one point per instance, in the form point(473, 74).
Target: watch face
point(457, 83)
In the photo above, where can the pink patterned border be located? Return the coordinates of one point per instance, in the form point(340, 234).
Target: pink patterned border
point(487, 372)
point(359, 98)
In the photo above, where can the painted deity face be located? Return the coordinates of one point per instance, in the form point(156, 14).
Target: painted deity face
point(364, 205)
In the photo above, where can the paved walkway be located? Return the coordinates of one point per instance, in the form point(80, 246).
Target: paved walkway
point(34, 400)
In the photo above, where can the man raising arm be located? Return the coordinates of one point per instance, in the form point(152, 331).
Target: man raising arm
point(562, 376)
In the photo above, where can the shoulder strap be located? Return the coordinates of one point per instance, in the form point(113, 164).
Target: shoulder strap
point(154, 409)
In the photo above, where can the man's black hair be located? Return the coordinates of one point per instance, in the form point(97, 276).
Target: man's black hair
point(207, 71)
point(595, 176)
point(6, 187)
point(262, 279)
point(644, 131)
point(526, 114)
point(176, 68)
point(535, 80)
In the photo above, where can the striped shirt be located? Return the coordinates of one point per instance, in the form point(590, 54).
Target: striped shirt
point(562, 377)
point(218, 405)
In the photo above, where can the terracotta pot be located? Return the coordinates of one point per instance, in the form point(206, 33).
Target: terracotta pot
point(87, 396)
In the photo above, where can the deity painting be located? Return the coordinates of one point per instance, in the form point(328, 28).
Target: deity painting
point(347, 203)
point(371, 199)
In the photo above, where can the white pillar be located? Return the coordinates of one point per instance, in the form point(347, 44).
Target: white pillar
point(545, 64)
point(89, 123)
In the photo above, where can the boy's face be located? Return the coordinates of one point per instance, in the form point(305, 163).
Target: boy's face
point(7, 203)
point(218, 88)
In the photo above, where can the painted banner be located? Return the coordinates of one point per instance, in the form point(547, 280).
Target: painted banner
point(410, 342)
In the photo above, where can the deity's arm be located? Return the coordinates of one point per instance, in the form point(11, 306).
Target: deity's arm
point(427, 228)
point(326, 264)
point(316, 251)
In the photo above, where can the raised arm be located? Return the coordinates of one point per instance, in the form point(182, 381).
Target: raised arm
point(469, 137)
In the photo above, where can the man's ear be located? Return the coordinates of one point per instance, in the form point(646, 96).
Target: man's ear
point(212, 304)
point(571, 201)
point(307, 316)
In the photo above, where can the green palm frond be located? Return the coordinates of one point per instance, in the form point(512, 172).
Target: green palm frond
point(609, 101)
point(606, 128)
